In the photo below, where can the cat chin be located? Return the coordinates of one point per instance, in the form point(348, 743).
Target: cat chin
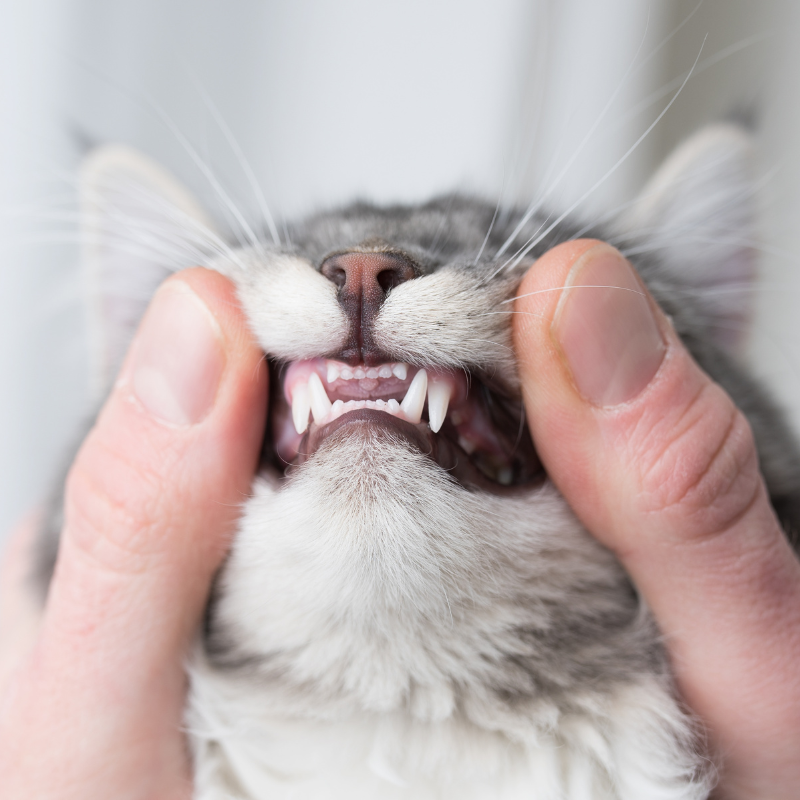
point(371, 575)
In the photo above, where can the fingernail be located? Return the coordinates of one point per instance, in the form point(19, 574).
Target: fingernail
point(606, 330)
point(177, 357)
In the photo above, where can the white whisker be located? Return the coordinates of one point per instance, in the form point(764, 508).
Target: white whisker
point(244, 164)
point(534, 207)
point(532, 243)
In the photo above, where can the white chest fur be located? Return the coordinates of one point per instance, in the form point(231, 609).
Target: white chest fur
point(621, 747)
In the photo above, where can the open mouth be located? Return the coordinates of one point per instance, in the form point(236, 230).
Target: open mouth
point(471, 429)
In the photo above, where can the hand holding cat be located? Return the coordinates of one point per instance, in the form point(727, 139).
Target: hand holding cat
point(662, 468)
point(650, 453)
point(95, 709)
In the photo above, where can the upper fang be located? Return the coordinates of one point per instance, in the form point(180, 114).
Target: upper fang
point(438, 400)
point(301, 405)
point(320, 403)
point(414, 401)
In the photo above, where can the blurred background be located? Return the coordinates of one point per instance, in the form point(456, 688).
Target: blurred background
point(393, 100)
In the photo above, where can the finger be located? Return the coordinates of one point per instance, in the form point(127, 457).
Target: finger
point(151, 503)
point(660, 466)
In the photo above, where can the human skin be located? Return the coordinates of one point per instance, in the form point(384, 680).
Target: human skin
point(94, 708)
point(652, 455)
point(661, 467)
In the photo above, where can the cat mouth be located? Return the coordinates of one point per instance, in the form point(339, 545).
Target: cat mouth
point(470, 428)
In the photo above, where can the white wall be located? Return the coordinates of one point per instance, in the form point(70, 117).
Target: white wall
point(392, 100)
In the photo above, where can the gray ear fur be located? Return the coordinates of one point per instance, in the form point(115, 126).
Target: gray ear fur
point(138, 225)
point(698, 215)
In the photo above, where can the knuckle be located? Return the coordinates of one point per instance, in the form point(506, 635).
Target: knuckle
point(703, 469)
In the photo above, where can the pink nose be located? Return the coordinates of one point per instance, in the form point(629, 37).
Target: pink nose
point(364, 280)
point(367, 275)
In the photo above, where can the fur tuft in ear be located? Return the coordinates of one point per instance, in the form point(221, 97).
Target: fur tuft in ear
point(697, 214)
point(138, 225)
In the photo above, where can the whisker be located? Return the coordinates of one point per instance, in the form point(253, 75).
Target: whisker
point(243, 163)
point(532, 243)
point(712, 60)
point(488, 233)
point(534, 207)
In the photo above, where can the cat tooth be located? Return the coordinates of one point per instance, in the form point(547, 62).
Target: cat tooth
point(333, 372)
point(346, 374)
point(359, 373)
point(414, 400)
point(438, 400)
point(400, 371)
point(385, 371)
point(393, 406)
point(318, 397)
point(337, 409)
point(301, 405)
point(372, 373)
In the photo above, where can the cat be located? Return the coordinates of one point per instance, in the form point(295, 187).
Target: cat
point(410, 609)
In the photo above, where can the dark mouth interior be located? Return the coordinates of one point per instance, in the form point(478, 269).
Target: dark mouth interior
point(492, 450)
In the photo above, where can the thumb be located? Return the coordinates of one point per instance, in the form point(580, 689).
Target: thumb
point(661, 467)
point(151, 502)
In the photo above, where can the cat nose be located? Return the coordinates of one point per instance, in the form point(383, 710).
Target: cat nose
point(367, 276)
point(364, 280)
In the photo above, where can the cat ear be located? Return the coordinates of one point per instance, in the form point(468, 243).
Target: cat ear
point(698, 214)
point(138, 225)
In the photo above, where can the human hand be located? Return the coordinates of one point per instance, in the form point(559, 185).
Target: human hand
point(94, 708)
point(661, 467)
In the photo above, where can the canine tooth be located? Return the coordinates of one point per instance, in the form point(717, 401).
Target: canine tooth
point(333, 373)
point(346, 374)
point(393, 406)
point(359, 373)
point(301, 405)
point(320, 403)
point(372, 373)
point(385, 371)
point(414, 400)
point(438, 400)
point(400, 371)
